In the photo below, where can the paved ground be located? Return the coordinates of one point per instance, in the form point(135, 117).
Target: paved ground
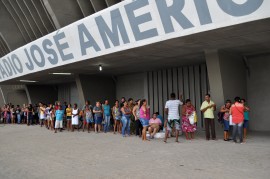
point(34, 152)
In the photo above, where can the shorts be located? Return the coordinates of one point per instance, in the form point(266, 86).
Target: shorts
point(173, 123)
point(157, 127)
point(226, 125)
point(88, 121)
point(58, 124)
point(98, 120)
point(245, 125)
point(42, 117)
point(144, 122)
point(68, 118)
point(118, 118)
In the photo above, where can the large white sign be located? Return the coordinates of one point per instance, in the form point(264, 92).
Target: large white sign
point(129, 24)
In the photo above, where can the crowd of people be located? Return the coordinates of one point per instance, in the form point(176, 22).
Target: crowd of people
point(122, 115)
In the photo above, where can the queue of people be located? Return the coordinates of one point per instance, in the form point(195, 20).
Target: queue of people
point(233, 117)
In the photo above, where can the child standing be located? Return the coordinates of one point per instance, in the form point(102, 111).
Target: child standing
point(59, 114)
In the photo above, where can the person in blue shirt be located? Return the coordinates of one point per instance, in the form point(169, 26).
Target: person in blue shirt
point(59, 114)
point(107, 116)
point(246, 118)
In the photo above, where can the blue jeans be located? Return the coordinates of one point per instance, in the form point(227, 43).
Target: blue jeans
point(18, 118)
point(238, 128)
point(125, 125)
point(107, 120)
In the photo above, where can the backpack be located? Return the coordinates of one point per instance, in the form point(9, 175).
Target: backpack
point(220, 117)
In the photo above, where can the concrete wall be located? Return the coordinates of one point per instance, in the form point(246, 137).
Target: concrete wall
point(130, 86)
point(95, 88)
point(15, 94)
point(17, 97)
point(42, 93)
point(68, 92)
point(258, 88)
point(227, 76)
point(233, 72)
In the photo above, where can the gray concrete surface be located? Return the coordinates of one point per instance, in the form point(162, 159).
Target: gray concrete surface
point(34, 152)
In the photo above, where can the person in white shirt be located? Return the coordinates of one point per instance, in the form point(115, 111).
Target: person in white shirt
point(173, 121)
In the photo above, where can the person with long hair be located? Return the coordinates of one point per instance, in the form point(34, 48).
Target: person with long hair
point(42, 119)
point(88, 116)
point(13, 114)
point(68, 114)
point(126, 113)
point(225, 110)
point(237, 111)
point(188, 111)
point(144, 117)
point(136, 114)
point(116, 113)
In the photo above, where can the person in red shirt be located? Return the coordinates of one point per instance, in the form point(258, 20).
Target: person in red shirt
point(237, 112)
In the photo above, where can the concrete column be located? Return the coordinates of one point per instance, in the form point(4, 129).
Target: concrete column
point(215, 76)
point(227, 76)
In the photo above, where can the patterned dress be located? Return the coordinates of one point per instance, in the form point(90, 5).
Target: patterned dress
point(186, 126)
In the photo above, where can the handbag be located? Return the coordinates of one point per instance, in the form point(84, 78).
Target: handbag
point(191, 118)
point(231, 122)
point(195, 117)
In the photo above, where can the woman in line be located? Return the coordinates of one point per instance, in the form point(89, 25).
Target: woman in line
point(225, 109)
point(42, 119)
point(30, 112)
point(116, 113)
point(144, 117)
point(69, 114)
point(246, 118)
point(126, 113)
point(136, 114)
point(188, 111)
point(88, 115)
point(59, 114)
point(75, 117)
point(13, 114)
point(237, 112)
point(98, 116)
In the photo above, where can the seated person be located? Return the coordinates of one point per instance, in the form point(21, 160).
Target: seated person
point(161, 119)
point(154, 125)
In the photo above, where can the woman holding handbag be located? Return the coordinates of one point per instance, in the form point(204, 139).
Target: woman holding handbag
point(188, 119)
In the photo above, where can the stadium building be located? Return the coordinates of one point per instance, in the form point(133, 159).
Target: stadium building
point(72, 50)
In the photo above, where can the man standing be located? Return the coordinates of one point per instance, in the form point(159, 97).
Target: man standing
point(172, 110)
point(107, 116)
point(208, 107)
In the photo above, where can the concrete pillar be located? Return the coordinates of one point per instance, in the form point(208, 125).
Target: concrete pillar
point(215, 76)
point(227, 76)
point(95, 88)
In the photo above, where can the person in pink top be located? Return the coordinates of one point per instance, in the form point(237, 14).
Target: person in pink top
point(154, 125)
point(237, 112)
point(144, 117)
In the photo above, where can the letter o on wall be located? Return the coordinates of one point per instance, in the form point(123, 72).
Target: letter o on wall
point(37, 55)
point(17, 63)
point(234, 9)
